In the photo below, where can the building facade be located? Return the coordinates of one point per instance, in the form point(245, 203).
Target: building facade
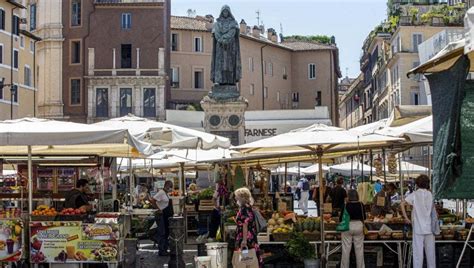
point(18, 94)
point(275, 75)
point(351, 111)
point(114, 58)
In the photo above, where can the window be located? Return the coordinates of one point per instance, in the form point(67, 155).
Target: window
point(102, 102)
point(16, 25)
point(174, 42)
point(198, 44)
point(75, 52)
point(76, 13)
point(175, 77)
point(32, 17)
point(22, 41)
point(252, 89)
point(2, 19)
point(295, 97)
point(265, 92)
point(75, 91)
point(125, 101)
point(15, 59)
point(416, 40)
point(149, 102)
point(251, 64)
point(318, 98)
point(14, 92)
point(415, 98)
point(417, 76)
point(126, 56)
point(278, 96)
point(285, 73)
point(270, 69)
point(264, 67)
point(1, 53)
point(199, 78)
point(32, 46)
point(311, 71)
point(27, 74)
point(126, 20)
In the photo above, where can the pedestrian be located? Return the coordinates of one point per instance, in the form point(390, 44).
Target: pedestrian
point(423, 237)
point(316, 194)
point(338, 196)
point(378, 187)
point(164, 204)
point(303, 186)
point(246, 235)
point(356, 231)
point(382, 203)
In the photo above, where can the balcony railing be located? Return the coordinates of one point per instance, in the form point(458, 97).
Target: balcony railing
point(127, 1)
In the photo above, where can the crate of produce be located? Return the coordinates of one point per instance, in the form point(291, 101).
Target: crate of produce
point(281, 237)
point(43, 218)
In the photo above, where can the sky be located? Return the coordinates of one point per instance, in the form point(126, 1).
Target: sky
point(350, 21)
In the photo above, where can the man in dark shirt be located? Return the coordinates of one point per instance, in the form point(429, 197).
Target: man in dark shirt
point(382, 203)
point(338, 195)
point(77, 197)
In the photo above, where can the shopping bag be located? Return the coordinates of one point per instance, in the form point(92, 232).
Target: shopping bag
point(344, 225)
point(434, 221)
point(245, 259)
point(259, 220)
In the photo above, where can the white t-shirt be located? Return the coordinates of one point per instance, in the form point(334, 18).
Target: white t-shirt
point(422, 202)
point(162, 199)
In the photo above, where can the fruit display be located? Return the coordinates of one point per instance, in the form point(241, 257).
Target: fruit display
point(44, 210)
point(72, 211)
point(10, 213)
point(174, 193)
point(279, 224)
point(308, 225)
point(392, 164)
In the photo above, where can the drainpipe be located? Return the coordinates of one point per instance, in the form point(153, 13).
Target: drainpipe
point(263, 76)
point(11, 66)
point(34, 78)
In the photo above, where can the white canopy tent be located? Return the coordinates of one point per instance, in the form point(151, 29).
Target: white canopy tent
point(355, 168)
point(419, 131)
point(314, 169)
point(289, 171)
point(166, 135)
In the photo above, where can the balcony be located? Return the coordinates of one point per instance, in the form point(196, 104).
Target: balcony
point(128, 2)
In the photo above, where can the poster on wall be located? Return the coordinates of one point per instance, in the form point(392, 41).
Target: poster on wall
point(69, 242)
point(10, 240)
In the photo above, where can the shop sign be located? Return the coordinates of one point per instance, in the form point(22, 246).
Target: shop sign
point(73, 242)
point(261, 132)
point(10, 240)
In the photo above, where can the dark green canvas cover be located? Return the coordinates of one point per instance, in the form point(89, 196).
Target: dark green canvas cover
point(447, 93)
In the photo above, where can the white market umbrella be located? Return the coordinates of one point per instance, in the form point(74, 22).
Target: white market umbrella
point(314, 169)
point(354, 168)
point(166, 135)
point(411, 169)
point(419, 131)
point(289, 171)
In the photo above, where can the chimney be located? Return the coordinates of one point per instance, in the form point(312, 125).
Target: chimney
point(270, 33)
point(243, 27)
point(256, 31)
point(274, 37)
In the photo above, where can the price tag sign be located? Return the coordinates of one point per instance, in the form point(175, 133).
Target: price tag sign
point(381, 201)
point(327, 207)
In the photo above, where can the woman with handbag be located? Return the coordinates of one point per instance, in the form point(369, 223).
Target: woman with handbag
point(246, 235)
point(355, 234)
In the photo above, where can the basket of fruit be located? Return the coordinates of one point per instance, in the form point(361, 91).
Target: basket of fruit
point(281, 237)
point(43, 213)
point(71, 214)
point(397, 235)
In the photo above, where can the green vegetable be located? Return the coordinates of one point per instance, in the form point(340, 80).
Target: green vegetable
point(206, 194)
point(299, 247)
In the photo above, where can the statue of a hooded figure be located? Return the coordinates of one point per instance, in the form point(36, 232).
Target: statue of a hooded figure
point(226, 69)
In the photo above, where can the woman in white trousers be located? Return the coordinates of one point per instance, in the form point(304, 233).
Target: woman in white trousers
point(356, 231)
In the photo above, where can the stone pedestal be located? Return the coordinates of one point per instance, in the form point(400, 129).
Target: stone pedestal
point(225, 117)
point(176, 239)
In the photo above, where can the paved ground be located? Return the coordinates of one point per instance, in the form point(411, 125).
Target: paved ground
point(148, 256)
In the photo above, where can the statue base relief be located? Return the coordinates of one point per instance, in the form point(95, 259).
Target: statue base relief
point(224, 92)
point(225, 117)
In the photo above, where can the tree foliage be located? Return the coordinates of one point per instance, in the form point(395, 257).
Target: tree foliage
point(323, 39)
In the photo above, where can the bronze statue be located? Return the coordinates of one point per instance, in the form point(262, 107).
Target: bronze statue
point(226, 69)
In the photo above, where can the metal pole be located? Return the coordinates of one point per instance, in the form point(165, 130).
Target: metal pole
point(362, 169)
point(30, 181)
point(130, 180)
point(286, 174)
point(429, 168)
point(384, 167)
point(371, 164)
point(400, 174)
point(182, 183)
point(102, 187)
point(321, 201)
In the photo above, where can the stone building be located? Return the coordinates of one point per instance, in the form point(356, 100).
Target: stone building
point(105, 58)
point(17, 61)
point(275, 75)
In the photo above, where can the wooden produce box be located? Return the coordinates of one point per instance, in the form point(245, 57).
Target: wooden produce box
point(206, 205)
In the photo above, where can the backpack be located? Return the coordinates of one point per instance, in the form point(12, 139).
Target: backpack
point(260, 222)
point(305, 185)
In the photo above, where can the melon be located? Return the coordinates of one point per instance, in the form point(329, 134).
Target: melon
point(271, 222)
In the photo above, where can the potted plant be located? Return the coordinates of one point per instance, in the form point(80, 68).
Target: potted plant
point(301, 250)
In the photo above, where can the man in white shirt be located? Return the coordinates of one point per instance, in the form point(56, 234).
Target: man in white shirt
point(423, 237)
point(162, 201)
point(303, 186)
